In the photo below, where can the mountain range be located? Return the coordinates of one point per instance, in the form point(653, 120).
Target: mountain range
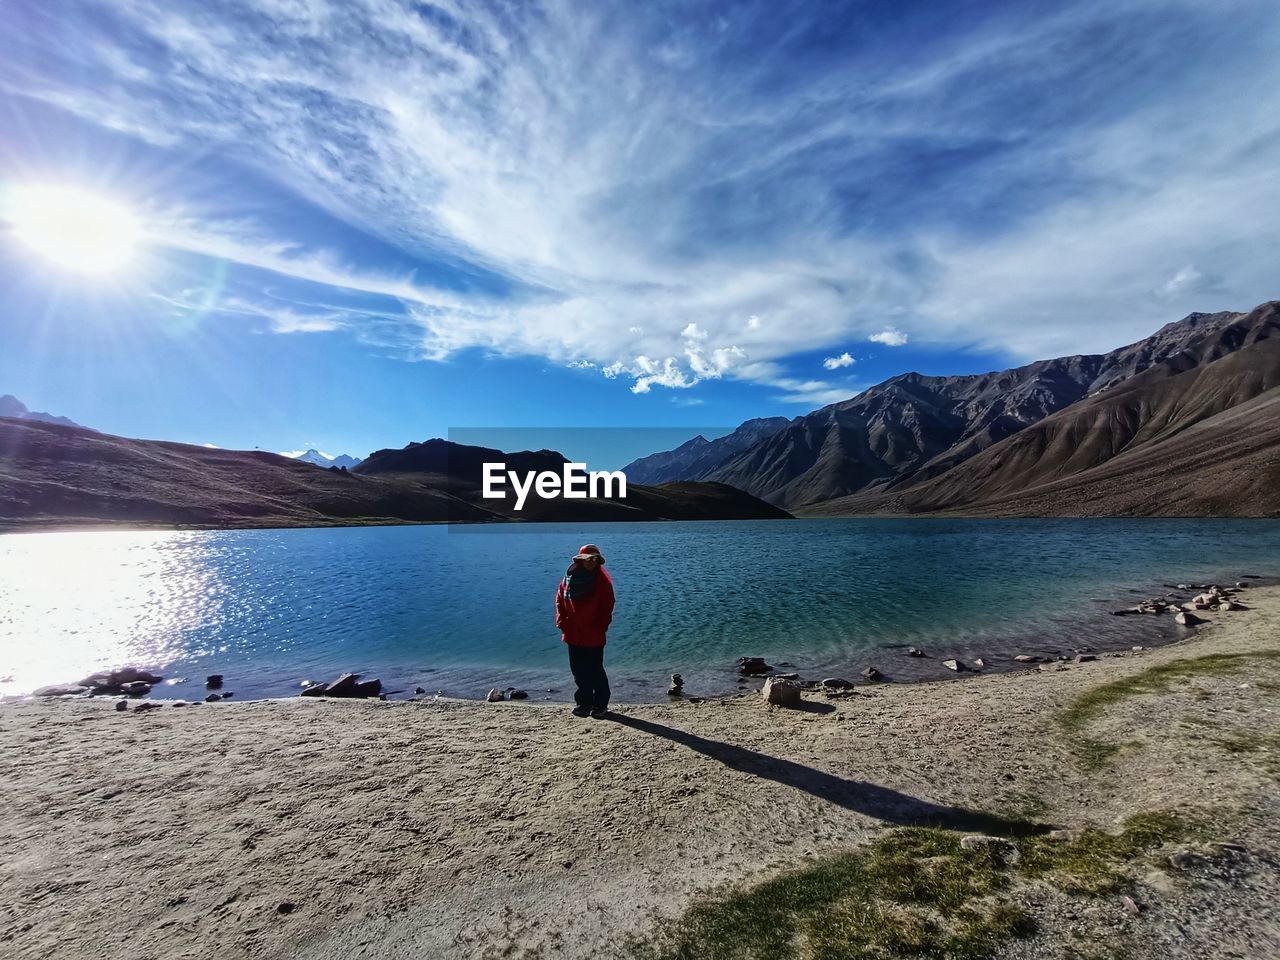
point(58, 475)
point(11, 406)
point(324, 460)
point(1184, 422)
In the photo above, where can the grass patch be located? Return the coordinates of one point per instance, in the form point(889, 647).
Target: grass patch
point(1094, 754)
point(1094, 862)
point(913, 892)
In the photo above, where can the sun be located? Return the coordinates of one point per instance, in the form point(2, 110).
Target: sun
point(74, 229)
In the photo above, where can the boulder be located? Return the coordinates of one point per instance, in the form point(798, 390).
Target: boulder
point(419, 690)
point(753, 666)
point(134, 675)
point(677, 686)
point(114, 681)
point(495, 696)
point(146, 705)
point(60, 690)
point(1026, 658)
point(979, 663)
point(1187, 619)
point(122, 706)
point(781, 693)
point(347, 685)
point(839, 683)
point(955, 665)
point(213, 681)
point(518, 694)
point(1085, 657)
point(1227, 606)
point(872, 674)
point(138, 688)
point(915, 652)
point(365, 688)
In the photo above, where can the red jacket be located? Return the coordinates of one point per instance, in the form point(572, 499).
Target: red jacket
point(583, 622)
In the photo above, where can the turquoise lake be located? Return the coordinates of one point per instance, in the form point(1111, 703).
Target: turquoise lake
point(458, 610)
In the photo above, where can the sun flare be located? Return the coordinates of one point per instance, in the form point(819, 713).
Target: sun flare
point(73, 228)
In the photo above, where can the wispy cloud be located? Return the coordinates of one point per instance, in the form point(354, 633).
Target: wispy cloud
point(685, 200)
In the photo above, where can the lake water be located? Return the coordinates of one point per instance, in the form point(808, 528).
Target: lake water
point(460, 609)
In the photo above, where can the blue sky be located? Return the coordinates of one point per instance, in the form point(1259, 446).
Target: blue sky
point(366, 222)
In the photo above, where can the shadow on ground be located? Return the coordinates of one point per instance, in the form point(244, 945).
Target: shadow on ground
point(869, 799)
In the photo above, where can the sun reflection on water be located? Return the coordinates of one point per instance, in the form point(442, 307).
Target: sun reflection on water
point(72, 603)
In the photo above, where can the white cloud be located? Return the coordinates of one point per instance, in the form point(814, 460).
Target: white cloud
point(835, 363)
point(662, 373)
point(889, 337)
point(607, 170)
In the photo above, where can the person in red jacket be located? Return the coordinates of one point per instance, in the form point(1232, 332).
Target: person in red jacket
point(584, 610)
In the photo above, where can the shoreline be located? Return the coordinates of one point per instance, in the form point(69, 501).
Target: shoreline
point(890, 659)
point(128, 526)
point(459, 829)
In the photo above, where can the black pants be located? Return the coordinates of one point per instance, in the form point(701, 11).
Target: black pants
point(587, 664)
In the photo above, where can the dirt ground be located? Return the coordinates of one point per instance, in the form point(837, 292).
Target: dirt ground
point(323, 829)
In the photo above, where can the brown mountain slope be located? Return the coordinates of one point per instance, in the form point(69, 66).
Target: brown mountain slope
point(1196, 434)
point(914, 427)
point(60, 475)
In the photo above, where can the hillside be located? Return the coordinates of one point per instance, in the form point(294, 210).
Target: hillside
point(55, 475)
point(699, 455)
point(1198, 434)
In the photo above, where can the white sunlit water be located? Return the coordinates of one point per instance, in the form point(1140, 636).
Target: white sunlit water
point(461, 609)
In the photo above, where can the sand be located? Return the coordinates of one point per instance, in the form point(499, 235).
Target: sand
point(326, 829)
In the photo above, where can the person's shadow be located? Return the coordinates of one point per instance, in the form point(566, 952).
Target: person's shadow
point(856, 795)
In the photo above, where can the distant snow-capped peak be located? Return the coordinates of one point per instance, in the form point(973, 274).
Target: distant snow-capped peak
point(322, 459)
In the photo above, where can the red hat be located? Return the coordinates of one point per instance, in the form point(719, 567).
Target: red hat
point(589, 550)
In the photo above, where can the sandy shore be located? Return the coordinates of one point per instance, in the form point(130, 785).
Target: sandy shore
point(323, 829)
